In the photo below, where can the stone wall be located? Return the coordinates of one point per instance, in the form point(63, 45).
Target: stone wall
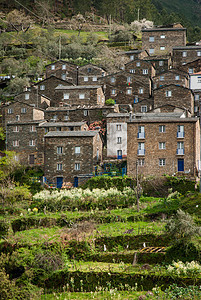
point(170, 77)
point(63, 70)
point(183, 55)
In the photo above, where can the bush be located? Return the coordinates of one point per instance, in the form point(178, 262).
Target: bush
point(4, 226)
point(110, 101)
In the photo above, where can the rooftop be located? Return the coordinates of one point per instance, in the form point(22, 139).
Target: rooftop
point(77, 87)
point(89, 133)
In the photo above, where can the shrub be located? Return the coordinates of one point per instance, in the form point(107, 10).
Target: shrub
point(4, 226)
point(110, 101)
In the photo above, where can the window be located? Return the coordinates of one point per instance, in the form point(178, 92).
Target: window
point(162, 36)
point(184, 53)
point(180, 148)
point(129, 91)
point(180, 131)
point(162, 78)
point(77, 150)
point(86, 78)
point(136, 99)
point(145, 71)
point(195, 109)
point(151, 38)
point(32, 143)
point(77, 166)
point(161, 63)
point(161, 162)
point(26, 96)
point(63, 67)
point(119, 154)
point(119, 140)
point(199, 53)
point(168, 93)
point(144, 109)
point(81, 96)
point(197, 97)
point(113, 92)
point(141, 150)
point(66, 96)
point(52, 67)
point(46, 130)
point(89, 70)
point(63, 76)
point(31, 159)
point(199, 79)
point(58, 128)
point(55, 117)
point(190, 71)
point(17, 118)
point(131, 57)
point(138, 64)
point(42, 87)
point(23, 110)
point(129, 79)
point(33, 128)
point(86, 112)
point(118, 127)
point(141, 132)
point(177, 77)
point(59, 150)
point(141, 91)
point(162, 145)
point(162, 48)
point(16, 129)
point(151, 51)
point(140, 162)
point(112, 79)
point(161, 128)
point(132, 71)
point(94, 78)
point(66, 118)
point(15, 143)
point(59, 167)
point(10, 111)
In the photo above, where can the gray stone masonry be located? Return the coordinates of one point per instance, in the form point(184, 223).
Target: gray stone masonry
point(63, 70)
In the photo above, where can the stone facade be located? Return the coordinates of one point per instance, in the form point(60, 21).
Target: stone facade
point(33, 98)
point(47, 87)
point(168, 146)
point(140, 67)
point(160, 41)
point(89, 74)
point(160, 63)
point(71, 154)
point(126, 87)
point(184, 55)
point(22, 138)
point(80, 95)
point(88, 114)
point(63, 70)
point(143, 106)
point(191, 67)
point(136, 54)
point(172, 76)
point(174, 95)
point(21, 112)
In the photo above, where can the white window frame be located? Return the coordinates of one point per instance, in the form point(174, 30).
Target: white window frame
point(151, 51)
point(63, 76)
point(66, 96)
point(197, 97)
point(184, 53)
point(10, 111)
point(42, 87)
point(86, 112)
point(145, 71)
point(162, 78)
point(119, 140)
point(23, 110)
point(77, 166)
point(32, 143)
point(113, 92)
point(162, 36)
point(162, 145)
point(16, 129)
point(132, 71)
point(141, 162)
point(59, 150)
point(33, 128)
point(162, 48)
point(138, 64)
point(77, 149)
point(26, 96)
point(15, 143)
point(86, 78)
point(17, 117)
point(162, 162)
point(66, 117)
point(52, 67)
point(198, 53)
point(94, 78)
point(190, 70)
point(162, 128)
point(129, 91)
point(177, 77)
point(112, 79)
point(63, 67)
point(82, 96)
point(168, 93)
point(161, 63)
point(59, 167)
point(151, 39)
point(144, 108)
point(118, 127)
point(141, 91)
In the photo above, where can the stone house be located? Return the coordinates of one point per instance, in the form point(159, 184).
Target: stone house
point(184, 55)
point(80, 95)
point(172, 76)
point(191, 67)
point(22, 138)
point(160, 40)
point(63, 70)
point(195, 85)
point(70, 154)
point(21, 112)
point(160, 63)
point(171, 108)
point(136, 54)
point(117, 135)
point(47, 87)
point(163, 145)
point(126, 87)
point(143, 105)
point(89, 114)
point(174, 95)
point(140, 67)
point(89, 74)
point(33, 98)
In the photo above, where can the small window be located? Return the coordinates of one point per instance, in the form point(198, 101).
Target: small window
point(58, 128)
point(144, 109)
point(132, 71)
point(119, 140)
point(66, 96)
point(77, 166)
point(59, 150)
point(15, 143)
point(63, 67)
point(184, 53)
point(113, 92)
point(66, 118)
point(195, 109)
point(112, 79)
point(94, 78)
point(33, 128)
point(140, 162)
point(177, 77)
point(129, 91)
point(59, 167)
point(86, 78)
point(32, 143)
point(86, 112)
point(151, 51)
point(180, 145)
point(190, 71)
point(168, 93)
point(199, 53)
point(16, 129)
point(138, 64)
point(162, 36)
point(55, 117)
point(162, 145)
point(63, 76)
point(161, 128)
point(23, 110)
point(141, 91)
point(129, 79)
point(199, 79)
point(89, 70)
point(118, 127)
point(161, 162)
point(26, 96)
point(145, 71)
point(46, 129)
point(17, 118)
point(197, 97)
point(42, 87)
point(161, 63)
point(10, 111)
point(77, 150)
point(131, 57)
point(162, 78)
point(162, 48)
point(151, 39)
point(81, 96)
point(52, 67)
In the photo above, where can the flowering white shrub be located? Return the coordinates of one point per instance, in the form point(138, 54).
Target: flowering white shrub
point(191, 269)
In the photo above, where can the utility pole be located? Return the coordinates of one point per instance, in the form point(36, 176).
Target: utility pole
point(137, 183)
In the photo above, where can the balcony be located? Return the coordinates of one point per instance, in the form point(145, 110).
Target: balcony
point(141, 151)
point(141, 135)
point(180, 134)
point(180, 151)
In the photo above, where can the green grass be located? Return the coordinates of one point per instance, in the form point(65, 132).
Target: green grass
point(102, 35)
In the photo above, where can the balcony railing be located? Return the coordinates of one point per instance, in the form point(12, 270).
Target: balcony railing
point(180, 151)
point(180, 134)
point(141, 151)
point(141, 135)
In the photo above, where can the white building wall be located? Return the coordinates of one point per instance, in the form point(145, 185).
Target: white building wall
point(113, 133)
point(195, 82)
